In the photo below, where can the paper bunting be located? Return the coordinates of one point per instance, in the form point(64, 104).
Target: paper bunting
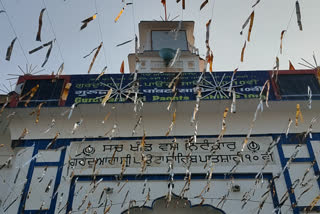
point(10, 48)
point(38, 38)
point(86, 21)
point(298, 12)
point(204, 4)
point(95, 56)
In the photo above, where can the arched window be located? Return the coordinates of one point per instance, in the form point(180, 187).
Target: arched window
point(176, 206)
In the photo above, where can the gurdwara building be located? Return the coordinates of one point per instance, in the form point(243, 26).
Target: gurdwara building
point(166, 138)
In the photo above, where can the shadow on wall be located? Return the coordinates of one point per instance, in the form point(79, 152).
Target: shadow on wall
point(176, 206)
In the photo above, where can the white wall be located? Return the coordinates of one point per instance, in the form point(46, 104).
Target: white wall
point(156, 120)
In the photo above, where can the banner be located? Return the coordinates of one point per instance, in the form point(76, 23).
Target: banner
point(161, 152)
point(154, 87)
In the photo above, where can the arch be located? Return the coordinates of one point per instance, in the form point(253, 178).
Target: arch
point(160, 206)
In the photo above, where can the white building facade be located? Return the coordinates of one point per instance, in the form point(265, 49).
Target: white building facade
point(169, 139)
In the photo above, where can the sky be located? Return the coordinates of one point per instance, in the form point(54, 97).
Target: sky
point(62, 21)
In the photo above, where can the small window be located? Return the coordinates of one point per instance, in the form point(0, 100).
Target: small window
point(167, 39)
point(296, 85)
point(48, 92)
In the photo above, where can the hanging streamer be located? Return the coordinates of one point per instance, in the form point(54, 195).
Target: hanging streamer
point(106, 98)
point(60, 70)
point(172, 123)
point(102, 72)
point(53, 141)
point(210, 61)
point(255, 4)
point(120, 13)
point(298, 12)
point(288, 128)
point(176, 57)
point(245, 24)
point(65, 92)
point(250, 25)
point(298, 115)
point(266, 84)
point(24, 133)
point(38, 38)
point(291, 67)
point(224, 126)
point(233, 104)
point(38, 112)
point(136, 126)
point(53, 123)
point(126, 42)
point(106, 117)
point(204, 4)
point(76, 125)
point(276, 67)
point(242, 52)
point(207, 39)
point(4, 105)
point(48, 52)
point(310, 97)
point(86, 21)
point(281, 38)
point(122, 67)
point(31, 93)
point(10, 48)
point(95, 56)
point(312, 204)
point(90, 52)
